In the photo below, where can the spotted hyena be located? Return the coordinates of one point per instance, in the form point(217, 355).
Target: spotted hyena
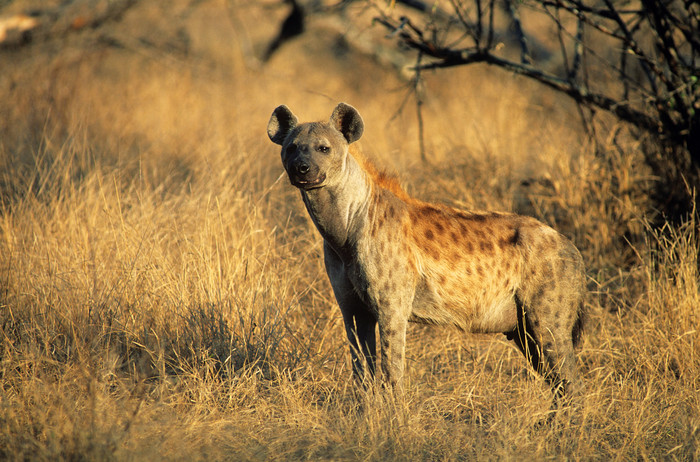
point(392, 259)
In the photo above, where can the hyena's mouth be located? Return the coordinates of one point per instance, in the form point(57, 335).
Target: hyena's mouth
point(309, 184)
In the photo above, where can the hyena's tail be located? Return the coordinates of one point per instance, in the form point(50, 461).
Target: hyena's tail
point(579, 324)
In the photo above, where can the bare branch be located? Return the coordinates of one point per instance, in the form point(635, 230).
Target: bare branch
point(479, 26)
point(418, 90)
point(518, 28)
point(587, 9)
point(658, 92)
point(578, 51)
point(562, 47)
point(622, 110)
point(471, 30)
point(489, 40)
point(626, 38)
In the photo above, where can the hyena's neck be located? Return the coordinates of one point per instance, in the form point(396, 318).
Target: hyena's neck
point(339, 210)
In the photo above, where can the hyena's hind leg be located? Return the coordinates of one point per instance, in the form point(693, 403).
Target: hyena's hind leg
point(547, 340)
point(524, 337)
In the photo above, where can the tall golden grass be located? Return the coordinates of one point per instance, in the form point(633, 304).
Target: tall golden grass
point(162, 292)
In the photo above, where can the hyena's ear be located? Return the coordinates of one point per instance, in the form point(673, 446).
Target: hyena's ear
point(282, 121)
point(347, 121)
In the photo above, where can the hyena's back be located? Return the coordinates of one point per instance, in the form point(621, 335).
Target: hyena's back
point(474, 268)
point(497, 272)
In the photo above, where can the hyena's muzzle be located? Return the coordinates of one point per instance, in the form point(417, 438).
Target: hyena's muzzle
point(303, 172)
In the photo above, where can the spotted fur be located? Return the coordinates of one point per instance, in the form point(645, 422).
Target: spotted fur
point(392, 258)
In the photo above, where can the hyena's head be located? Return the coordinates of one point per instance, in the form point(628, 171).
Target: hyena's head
point(314, 154)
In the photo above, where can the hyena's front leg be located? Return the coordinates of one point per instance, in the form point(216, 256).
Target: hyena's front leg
point(360, 329)
point(393, 299)
point(392, 334)
point(359, 321)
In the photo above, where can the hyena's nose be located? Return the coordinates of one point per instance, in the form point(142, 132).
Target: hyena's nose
point(302, 168)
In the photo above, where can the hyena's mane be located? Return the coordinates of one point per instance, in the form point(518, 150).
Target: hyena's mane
point(381, 177)
point(391, 182)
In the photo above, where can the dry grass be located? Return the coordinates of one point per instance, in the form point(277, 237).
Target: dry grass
point(162, 293)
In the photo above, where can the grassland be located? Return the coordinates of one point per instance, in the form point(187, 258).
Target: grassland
point(162, 293)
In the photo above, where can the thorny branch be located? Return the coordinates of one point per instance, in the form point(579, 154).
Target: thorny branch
point(659, 90)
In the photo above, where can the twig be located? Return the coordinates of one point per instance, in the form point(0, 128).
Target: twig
point(489, 40)
point(517, 26)
point(578, 50)
point(417, 88)
point(560, 38)
point(479, 25)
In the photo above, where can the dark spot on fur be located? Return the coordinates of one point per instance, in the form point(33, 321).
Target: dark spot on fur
point(442, 279)
point(427, 211)
point(563, 266)
point(439, 228)
point(453, 257)
point(546, 309)
point(538, 295)
point(486, 246)
point(388, 265)
point(453, 236)
point(469, 247)
point(515, 237)
point(429, 234)
point(560, 324)
point(547, 272)
point(509, 240)
point(434, 252)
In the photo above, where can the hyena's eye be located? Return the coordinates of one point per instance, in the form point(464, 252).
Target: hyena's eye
point(323, 149)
